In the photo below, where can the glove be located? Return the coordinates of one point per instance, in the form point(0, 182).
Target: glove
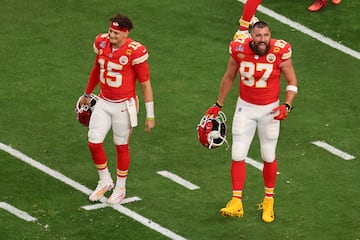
point(283, 111)
point(214, 110)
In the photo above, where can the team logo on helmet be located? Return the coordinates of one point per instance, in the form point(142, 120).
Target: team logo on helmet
point(212, 131)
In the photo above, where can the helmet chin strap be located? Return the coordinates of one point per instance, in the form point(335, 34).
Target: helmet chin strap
point(211, 140)
point(221, 118)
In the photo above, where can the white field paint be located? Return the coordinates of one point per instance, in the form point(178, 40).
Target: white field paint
point(59, 176)
point(333, 150)
point(17, 212)
point(178, 180)
point(301, 28)
point(103, 205)
point(256, 164)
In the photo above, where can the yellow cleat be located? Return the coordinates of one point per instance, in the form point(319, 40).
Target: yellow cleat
point(268, 210)
point(233, 208)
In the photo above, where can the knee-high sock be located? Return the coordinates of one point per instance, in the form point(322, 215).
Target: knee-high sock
point(269, 174)
point(98, 155)
point(238, 176)
point(123, 163)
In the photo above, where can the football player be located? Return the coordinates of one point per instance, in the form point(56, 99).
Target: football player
point(260, 61)
point(119, 63)
point(317, 5)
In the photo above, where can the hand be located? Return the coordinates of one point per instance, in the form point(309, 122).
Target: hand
point(84, 101)
point(283, 110)
point(149, 124)
point(213, 111)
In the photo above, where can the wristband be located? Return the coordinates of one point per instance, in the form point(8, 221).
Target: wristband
point(149, 106)
point(288, 107)
point(86, 95)
point(291, 88)
point(217, 104)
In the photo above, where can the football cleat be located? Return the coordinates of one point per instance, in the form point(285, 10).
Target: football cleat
point(268, 209)
point(117, 196)
point(234, 208)
point(83, 112)
point(103, 186)
point(212, 131)
point(317, 5)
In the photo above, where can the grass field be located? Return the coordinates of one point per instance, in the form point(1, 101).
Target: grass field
point(46, 56)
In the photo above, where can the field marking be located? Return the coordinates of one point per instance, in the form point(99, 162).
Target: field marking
point(333, 150)
point(61, 177)
point(103, 205)
point(179, 180)
point(256, 164)
point(17, 212)
point(331, 43)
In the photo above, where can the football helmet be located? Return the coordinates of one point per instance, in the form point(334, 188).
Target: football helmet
point(83, 112)
point(212, 130)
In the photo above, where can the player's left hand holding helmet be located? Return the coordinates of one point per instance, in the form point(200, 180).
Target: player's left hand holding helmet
point(212, 130)
point(83, 111)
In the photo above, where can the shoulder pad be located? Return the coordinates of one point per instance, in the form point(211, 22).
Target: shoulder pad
point(100, 42)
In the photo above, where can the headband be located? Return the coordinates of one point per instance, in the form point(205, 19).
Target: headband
point(115, 26)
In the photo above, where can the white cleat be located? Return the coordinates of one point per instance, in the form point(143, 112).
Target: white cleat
point(103, 186)
point(117, 196)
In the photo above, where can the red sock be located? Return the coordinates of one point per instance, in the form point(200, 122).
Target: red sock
point(123, 160)
point(98, 155)
point(238, 176)
point(269, 174)
point(248, 12)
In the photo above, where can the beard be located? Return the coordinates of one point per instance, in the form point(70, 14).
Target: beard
point(260, 48)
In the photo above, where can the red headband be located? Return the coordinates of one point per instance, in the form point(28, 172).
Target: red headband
point(115, 26)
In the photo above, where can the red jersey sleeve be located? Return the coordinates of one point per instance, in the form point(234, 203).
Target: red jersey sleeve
point(140, 63)
point(93, 78)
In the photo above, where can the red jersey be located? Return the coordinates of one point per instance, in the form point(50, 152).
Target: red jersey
point(259, 75)
point(118, 69)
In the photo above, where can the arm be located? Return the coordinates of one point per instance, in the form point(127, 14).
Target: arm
point(287, 69)
point(94, 79)
point(149, 105)
point(225, 86)
point(228, 80)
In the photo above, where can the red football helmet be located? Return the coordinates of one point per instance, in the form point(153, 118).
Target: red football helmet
point(83, 112)
point(212, 131)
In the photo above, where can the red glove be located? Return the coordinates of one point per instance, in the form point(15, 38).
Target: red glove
point(214, 110)
point(283, 111)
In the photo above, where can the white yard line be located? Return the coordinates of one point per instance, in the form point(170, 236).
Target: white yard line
point(17, 212)
point(61, 177)
point(301, 28)
point(175, 178)
point(103, 205)
point(333, 150)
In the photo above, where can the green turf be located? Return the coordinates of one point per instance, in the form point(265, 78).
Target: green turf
point(46, 56)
